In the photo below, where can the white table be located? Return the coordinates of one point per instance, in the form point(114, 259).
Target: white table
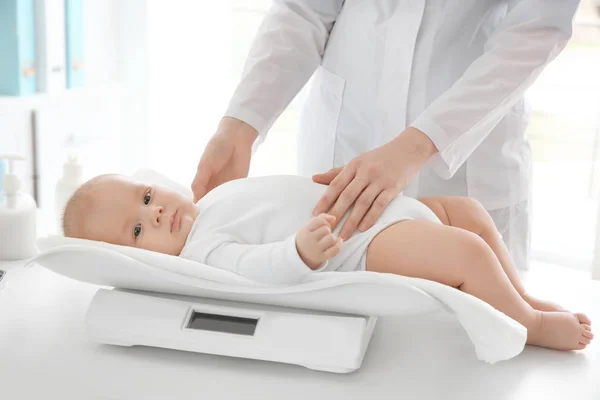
point(44, 354)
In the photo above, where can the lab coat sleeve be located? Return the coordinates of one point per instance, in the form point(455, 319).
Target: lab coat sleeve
point(286, 51)
point(270, 263)
point(532, 34)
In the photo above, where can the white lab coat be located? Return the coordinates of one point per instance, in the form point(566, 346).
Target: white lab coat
point(455, 69)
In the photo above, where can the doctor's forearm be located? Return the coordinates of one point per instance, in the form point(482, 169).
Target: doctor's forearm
point(416, 145)
point(247, 132)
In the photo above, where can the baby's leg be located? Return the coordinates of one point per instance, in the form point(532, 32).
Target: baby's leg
point(467, 213)
point(462, 259)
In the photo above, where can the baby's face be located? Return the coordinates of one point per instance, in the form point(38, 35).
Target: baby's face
point(150, 217)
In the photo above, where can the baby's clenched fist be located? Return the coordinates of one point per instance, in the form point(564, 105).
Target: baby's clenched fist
point(315, 242)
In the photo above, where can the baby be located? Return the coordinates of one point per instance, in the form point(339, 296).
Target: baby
point(262, 228)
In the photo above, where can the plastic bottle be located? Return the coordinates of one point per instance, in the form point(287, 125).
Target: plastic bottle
point(66, 186)
point(17, 217)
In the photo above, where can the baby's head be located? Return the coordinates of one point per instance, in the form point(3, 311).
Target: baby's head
point(116, 209)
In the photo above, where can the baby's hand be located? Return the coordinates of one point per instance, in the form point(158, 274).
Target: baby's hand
point(315, 243)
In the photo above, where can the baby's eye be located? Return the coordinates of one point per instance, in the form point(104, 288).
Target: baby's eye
point(147, 198)
point(137, 230)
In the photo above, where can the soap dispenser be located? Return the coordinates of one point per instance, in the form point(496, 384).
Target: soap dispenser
point(2, 169)
point(66, 186)
point(17, 217)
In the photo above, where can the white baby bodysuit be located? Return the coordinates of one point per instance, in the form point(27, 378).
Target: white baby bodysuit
point(248, 226)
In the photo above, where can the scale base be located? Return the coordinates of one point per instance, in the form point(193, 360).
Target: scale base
point(318, 340)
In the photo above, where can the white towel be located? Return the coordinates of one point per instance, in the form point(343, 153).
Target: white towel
point(495, 336)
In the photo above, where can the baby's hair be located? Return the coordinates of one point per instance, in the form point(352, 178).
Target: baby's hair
point(73, 219)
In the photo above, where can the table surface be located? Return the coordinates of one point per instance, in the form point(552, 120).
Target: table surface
point(44, 354)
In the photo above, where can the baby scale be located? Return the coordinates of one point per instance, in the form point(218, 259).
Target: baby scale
point(325, 341)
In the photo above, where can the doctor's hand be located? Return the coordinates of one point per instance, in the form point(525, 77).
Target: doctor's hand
point(226, 157)
point(315, 243)
point(372, 180)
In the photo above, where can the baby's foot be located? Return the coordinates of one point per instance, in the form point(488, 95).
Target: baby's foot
point(542, 305)
point(545, 305)
point(560, 331)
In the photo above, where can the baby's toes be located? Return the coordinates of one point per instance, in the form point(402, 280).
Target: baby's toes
point(587, 332)
point(580, 346)
point(583, 319)
point(584, 340)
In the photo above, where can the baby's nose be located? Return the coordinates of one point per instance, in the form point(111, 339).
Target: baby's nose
point(157, 215)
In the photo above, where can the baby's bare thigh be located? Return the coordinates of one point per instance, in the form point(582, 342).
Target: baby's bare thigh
point(424, 249)
point(459, 211)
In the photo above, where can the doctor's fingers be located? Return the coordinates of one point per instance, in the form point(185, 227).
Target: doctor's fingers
point(334, 190)
point(361, 207)
point(377, 208)
point(200, 183)
point(348, 197)
point(204, 173)
point(328, 176)
point(216, 156)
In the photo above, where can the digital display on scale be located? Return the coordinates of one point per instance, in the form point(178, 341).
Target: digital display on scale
point(222, 323)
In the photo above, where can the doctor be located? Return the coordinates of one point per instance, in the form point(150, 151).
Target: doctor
point(423, 97)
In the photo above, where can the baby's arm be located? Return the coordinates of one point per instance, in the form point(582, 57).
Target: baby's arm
point(270, 263)
point(315, 242)
point(283, 262)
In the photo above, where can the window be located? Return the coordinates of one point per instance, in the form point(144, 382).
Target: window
point(565, 137)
